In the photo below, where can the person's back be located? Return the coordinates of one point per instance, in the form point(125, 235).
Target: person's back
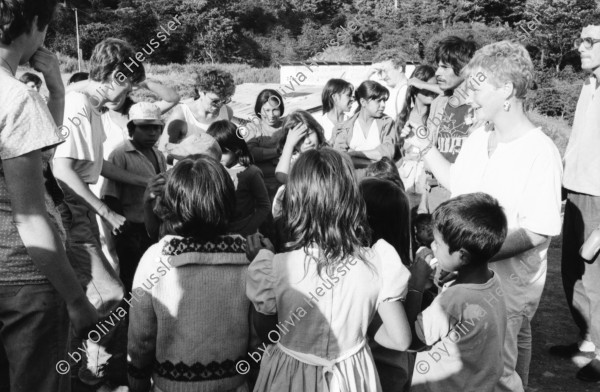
point(465, 327)
point(326, 285)
point(194, 299)
point(190, 324)
point(339, 305)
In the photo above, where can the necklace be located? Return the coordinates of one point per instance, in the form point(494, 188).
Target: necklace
point(8, 65)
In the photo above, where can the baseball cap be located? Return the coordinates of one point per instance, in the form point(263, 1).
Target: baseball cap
point(145, 113)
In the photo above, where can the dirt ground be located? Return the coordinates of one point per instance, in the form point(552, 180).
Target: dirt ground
point(552, 325)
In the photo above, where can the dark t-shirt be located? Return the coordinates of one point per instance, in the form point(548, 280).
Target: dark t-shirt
point(452, 131)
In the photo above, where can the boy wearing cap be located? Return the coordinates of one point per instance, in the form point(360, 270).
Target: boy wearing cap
point(138, 156)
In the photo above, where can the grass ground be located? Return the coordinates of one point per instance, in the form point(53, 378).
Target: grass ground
point(552, 325)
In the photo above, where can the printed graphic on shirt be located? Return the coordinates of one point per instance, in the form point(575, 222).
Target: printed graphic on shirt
point(452, 131)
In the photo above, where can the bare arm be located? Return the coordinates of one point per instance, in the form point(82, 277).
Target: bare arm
point(422, 85)
point(294, 136)
point(168, 96)
point(47, 63)
point(24, 181)
point(65, 173)
point(439, 166)
point(395, 331)
point(419, 274)
point(519, 241)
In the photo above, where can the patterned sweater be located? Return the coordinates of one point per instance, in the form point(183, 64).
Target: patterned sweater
point(189, 318)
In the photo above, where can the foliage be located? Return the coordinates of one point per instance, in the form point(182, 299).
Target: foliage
point(265, 32)
point(259, 33)
point(551, 25)
point(557, 93)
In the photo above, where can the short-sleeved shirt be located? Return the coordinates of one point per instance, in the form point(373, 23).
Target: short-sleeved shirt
point(85, 137)
point(524, 175)
point(127, 157)
point(26, 125)
point(464, 327)
point(339, 305)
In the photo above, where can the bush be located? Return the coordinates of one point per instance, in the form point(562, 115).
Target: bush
point(70, 65)
point(557, 93)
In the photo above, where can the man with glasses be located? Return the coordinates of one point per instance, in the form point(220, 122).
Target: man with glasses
point(581, 181)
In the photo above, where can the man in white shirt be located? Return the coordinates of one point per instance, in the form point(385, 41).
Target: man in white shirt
point(582, 212)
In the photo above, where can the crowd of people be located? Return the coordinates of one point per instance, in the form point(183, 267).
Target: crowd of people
point(395, 241)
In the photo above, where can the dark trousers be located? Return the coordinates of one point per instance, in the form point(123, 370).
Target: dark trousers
point(580, 280)
point(131, 245)
point(34, 328)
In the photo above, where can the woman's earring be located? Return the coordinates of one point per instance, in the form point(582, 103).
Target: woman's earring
point(506, 106)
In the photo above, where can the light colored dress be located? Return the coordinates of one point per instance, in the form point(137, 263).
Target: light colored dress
point(320, 341)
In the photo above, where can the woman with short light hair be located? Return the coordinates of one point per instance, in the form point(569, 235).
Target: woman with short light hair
point(513, 160)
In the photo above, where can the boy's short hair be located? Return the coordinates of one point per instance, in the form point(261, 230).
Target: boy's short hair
point(112, 55)
point(17, 17)
point(456, 52)
point(30, 77)
point(474, 222)
point(424, 221)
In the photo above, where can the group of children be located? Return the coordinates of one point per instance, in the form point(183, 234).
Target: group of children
point(315, 296)
point(329, 293)
point(337, 302)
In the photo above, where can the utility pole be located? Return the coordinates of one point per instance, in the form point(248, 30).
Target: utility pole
point(77, 33)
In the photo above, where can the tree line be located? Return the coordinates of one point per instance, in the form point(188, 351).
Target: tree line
point(267, 32)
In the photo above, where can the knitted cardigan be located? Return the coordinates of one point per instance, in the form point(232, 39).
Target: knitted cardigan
point(189, 315)
point(387, 134)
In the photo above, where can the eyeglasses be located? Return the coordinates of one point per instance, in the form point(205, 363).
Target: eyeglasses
point(587, 42)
